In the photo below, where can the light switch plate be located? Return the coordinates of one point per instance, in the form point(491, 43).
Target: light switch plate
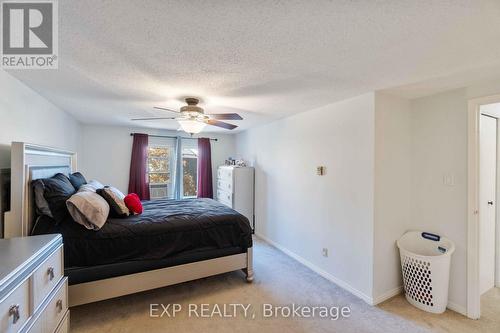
point(449, 180)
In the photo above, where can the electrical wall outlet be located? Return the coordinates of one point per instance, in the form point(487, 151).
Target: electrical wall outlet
point(324, 252)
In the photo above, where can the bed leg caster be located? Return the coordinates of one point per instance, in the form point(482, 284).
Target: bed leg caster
point(249, 269)
point(249, 275)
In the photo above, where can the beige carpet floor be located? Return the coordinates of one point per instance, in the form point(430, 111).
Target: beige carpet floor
point(279, 280)
point(450, 321)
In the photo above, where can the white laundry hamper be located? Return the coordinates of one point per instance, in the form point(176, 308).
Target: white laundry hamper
point(425, 262)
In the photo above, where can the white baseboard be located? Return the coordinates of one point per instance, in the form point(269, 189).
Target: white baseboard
point(396, 291)
point(457, 308)
point(346, 286)
point(389, 294)
point(342, 284)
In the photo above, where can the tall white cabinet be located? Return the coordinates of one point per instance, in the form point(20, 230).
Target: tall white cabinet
point(235, 188)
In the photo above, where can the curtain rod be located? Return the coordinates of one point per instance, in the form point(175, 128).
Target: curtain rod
point(173, 137)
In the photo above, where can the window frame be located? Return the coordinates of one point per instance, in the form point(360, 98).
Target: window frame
point(170, 144)
point(193, 148)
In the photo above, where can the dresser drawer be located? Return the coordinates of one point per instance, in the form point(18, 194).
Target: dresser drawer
point(225, 197)
point(37, 326)
point(224, 185)
point(57, 307)
point(14, 309)
point(64, 325)
point(53, 311)
point(225, 174)
point(46, 276)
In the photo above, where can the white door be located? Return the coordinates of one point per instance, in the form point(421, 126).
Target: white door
point(487, 197)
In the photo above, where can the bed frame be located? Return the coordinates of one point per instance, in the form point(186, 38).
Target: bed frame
point(30, 162)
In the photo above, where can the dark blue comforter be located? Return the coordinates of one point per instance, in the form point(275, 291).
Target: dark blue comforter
point(165, 228)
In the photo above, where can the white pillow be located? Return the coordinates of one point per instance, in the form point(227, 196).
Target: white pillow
point(95, 184)
point(87, 188)
point(117, 192)
point(88, 209)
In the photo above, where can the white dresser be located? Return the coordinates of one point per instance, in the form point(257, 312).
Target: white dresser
point(235, 188)
point(33, 289)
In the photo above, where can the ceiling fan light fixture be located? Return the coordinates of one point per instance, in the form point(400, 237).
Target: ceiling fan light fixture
point(191, 126)
point(192, 118)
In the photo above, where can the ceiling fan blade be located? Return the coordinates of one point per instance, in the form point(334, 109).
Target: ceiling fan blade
point(226, 116)
point(222, 124)
point(165, 109)
point(153, 118)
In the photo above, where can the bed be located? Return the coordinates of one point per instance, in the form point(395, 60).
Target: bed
point(173, 241)
point(168, 231)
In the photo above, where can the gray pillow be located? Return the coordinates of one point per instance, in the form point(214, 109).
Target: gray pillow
point(42, 206)
point(88, 209)
point(77, 180)
point(57, 190)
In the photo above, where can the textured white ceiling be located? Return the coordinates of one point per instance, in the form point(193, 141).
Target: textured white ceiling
point(262, 59)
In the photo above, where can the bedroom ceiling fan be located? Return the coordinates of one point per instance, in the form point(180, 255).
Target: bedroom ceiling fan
point(193, 119)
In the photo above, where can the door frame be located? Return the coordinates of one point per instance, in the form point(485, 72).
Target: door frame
point(473, 119)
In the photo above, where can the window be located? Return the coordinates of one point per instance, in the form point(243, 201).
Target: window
point(189, 172)
point(162, 165)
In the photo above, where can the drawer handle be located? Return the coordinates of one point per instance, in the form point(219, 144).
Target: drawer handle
point(59, 305)
point(50, 273)
point(14, 312)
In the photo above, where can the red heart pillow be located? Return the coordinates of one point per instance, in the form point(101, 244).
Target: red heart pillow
point(133, 203)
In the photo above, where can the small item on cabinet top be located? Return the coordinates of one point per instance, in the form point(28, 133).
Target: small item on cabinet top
point(238, 163)
point(230, 161)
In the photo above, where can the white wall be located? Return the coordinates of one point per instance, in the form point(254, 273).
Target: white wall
point(358, 209)
point(27, 116)
point(439, 148)
point(392, 191)
point(302, 212)
point(106, 152)
point(394, 151)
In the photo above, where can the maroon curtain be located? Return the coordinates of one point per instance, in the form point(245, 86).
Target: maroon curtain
point(205, 189)
point(138, 181)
